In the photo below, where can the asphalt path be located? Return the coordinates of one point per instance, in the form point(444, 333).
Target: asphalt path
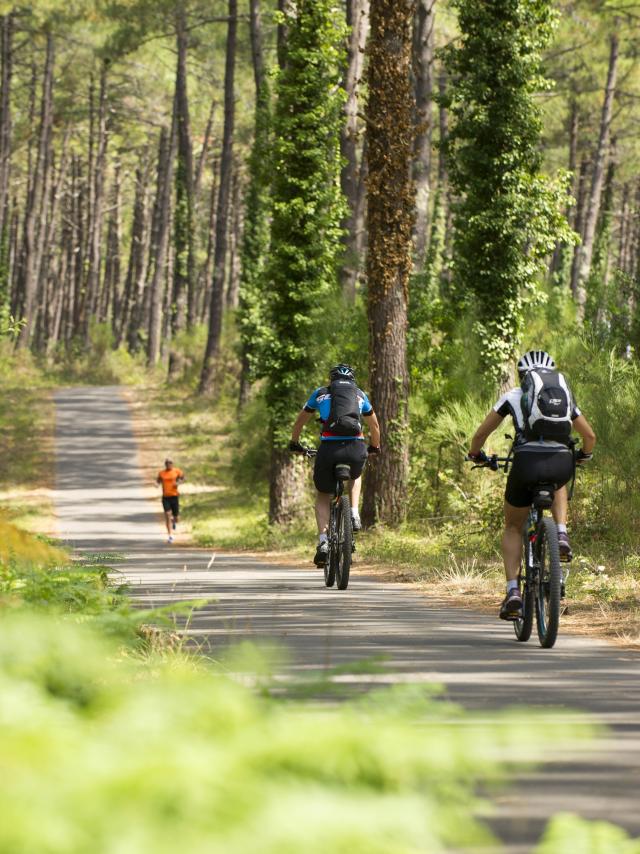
point(103, 504)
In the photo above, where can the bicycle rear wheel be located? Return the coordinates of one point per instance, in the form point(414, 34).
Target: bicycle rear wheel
point(549, 583)
point(344, 542)
point(523, 626)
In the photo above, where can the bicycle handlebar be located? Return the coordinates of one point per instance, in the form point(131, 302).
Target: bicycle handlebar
point(494, 462)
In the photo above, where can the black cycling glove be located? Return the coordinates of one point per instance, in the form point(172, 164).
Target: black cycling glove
point(373, 449)
point(296, 447)
point(581, 457)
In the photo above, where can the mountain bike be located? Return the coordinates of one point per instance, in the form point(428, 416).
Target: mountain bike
point(340, 531)
point(541, 579)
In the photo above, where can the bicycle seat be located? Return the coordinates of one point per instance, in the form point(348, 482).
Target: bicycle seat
point(342, 471)
point(543, 496)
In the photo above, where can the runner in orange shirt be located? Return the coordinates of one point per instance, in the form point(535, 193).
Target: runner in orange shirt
point(169, 478)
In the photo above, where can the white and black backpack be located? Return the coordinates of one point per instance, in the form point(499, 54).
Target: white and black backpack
point(547, 405)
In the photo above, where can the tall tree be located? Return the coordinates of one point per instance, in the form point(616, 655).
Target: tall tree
point(423, 56)
point(507, 218)
point(251, 315)
point(36, 202)
point(183, 301)
point(390, 210)
point(302, 271)
point(584, 253)
point(207, 374)
point(6, 71)
point(354, 162)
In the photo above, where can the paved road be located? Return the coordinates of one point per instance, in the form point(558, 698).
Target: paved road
point(104, 505)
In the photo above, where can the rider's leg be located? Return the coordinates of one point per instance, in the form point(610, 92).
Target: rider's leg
point(514, 519)
point(560, 507)
point(355, 487)
point(323, 510)
point(560, 511)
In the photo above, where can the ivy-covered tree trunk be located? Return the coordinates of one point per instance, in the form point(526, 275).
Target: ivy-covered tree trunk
point(390, 134)
point(305, 233)
point(507, 218)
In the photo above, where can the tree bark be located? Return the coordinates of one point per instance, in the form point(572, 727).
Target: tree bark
point(585, 251)
point(390, 131)
point(36, 201)
point(352, 187)
point(183, 302)
point(207, 375)
point(6, 72)
point(423, 48)
point(162, 218)
point(96, 210)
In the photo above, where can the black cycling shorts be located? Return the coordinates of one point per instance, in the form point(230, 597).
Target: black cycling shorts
point(171, 504)
point(351, 452)
point(535, 463)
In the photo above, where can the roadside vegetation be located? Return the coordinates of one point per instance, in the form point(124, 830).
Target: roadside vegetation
point(117, 737)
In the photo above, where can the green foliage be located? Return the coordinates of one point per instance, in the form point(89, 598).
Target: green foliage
point(508, 215)
point(301, 275)
point(104, 752)
point(568, 832)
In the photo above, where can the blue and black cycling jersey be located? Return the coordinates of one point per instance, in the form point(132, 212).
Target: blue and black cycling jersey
point(320, 402)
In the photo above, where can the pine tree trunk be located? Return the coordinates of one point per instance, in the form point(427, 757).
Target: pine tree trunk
point(423, 49)
point(207, 375)
point(578, 220)
point(585, 251)
point(183, 303)
point(358, 21)
point(162, 218)
point(390, 129)
point(286, 487)
point(35, 202)
point(96, 210)
point(6, 72)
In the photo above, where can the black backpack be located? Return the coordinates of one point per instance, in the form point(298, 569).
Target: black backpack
point(547, 405)
point(344, 414)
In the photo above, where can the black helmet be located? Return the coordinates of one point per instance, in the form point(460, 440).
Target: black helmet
point(341, 371)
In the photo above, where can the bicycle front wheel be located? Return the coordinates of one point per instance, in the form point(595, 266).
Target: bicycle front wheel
point(549, 583)
point(523, 626)
point(345, 543)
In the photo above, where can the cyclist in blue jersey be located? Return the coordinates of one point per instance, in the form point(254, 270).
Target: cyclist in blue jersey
point(336, 447)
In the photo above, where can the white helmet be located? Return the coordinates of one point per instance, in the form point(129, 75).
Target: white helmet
point(535, 359)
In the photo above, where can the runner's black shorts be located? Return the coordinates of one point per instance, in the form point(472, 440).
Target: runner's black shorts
point(535, 463)
point(351, 452)
point(171, 503)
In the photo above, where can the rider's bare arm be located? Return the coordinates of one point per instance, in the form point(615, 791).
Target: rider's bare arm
point(582, 426)
point(303, 418)
point(374, 428)
point(490, 423)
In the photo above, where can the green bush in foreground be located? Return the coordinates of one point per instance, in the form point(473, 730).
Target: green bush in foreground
point(102, 752)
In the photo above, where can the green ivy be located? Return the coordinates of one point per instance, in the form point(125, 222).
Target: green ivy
point(508, 215)
point(300, 280)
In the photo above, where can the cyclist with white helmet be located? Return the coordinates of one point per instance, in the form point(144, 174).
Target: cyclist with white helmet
point(534, 462)
point(341, 406)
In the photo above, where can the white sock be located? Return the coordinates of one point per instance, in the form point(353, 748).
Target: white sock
point(562, 529)
point(322, 538)
point(354, 513)
point(512, 585)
